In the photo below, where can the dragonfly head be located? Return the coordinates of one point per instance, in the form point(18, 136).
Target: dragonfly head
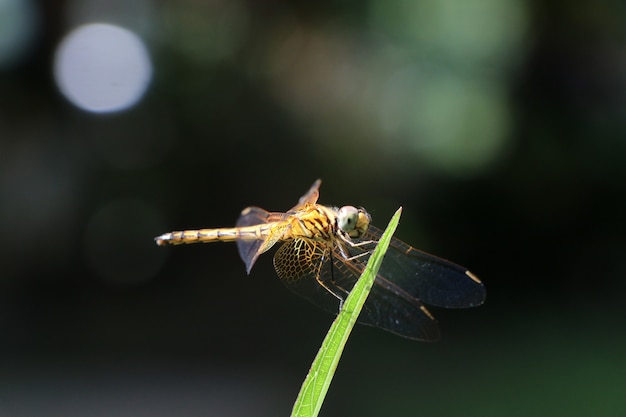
point(352, 221)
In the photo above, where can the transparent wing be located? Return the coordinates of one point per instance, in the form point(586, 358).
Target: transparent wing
point(310, 197)
point(321, 275)
point(298, 263)
point(249, 250)
point(431, 279)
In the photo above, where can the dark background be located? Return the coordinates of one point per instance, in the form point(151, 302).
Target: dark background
point(498, 126)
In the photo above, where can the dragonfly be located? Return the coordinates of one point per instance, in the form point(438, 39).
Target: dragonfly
point(325, 249)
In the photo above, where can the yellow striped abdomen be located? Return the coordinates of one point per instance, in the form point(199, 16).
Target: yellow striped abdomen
point(230, 234)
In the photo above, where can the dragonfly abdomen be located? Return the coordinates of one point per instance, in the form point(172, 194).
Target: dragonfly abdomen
point(229, 234)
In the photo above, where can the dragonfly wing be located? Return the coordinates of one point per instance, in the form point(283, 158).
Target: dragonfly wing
point(298, 262)
point(301, 263)
point(387, 306)
point(310, 197)
point(429, 278)
point(249, 250)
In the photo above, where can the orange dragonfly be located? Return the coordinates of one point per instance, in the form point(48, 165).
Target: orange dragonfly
point(325, 250)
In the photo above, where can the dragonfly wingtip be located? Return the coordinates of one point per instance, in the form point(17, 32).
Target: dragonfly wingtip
point(473, 277)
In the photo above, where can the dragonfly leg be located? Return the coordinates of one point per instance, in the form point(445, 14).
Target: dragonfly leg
point(360, 255)
point(363, 243)
point(324, 284)
point(353, 244)
point(344, 252)
point(327, 288)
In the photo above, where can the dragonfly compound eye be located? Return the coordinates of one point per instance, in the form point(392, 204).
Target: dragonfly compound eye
point(347, 218)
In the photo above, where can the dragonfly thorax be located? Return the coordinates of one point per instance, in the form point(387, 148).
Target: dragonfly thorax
point(352, 221)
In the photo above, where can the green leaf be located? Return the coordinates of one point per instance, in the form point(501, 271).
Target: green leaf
point(317, 382)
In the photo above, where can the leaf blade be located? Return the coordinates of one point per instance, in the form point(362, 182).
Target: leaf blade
point(317, 382)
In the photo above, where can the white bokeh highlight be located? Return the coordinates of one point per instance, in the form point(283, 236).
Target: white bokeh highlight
point(102, 68)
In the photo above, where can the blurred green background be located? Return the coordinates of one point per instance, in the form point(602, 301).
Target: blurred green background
point(499, 126)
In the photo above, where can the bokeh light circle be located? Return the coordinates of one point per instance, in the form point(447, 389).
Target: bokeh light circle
point(102, 68)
